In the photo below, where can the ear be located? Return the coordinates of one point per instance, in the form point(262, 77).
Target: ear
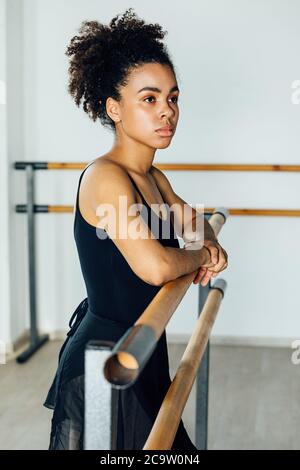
point(113, 109)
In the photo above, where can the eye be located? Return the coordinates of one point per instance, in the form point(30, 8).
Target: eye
point(148, 98)
point(173, 97)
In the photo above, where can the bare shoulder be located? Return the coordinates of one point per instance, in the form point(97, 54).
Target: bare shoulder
point(104, 178)
point(102, 165)
point(100, 170)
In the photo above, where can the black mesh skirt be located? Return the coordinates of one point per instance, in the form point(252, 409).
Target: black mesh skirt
point(138, 405)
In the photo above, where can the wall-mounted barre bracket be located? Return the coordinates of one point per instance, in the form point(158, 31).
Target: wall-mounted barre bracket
point(223, 211)
point(37, 208)
point(34, 165)
point(35, 340)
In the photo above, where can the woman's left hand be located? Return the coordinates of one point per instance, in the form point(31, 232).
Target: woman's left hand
point(218, 256)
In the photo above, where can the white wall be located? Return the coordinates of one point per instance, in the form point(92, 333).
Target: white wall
point(4, 213)
point(16, 120)
point(236, 61)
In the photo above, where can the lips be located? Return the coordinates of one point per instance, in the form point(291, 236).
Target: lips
point(165, 128)
point(165, 131)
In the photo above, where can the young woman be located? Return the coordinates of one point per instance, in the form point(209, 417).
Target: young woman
point(126, 79)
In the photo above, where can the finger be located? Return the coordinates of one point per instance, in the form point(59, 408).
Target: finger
point(206, 278)
point(196, 278)
point(204, 282)
point(223, 267)
point(222, 264)
point(202, 272)
point(199, 275)
point(224, 257)
point(214, 254)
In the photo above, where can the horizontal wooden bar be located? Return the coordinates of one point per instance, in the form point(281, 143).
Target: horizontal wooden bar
point(190, 166)
point(66, 165)
point(265, 212)
point(232, 211)
point(61, 209)
point(225, 167)
point(168, 166)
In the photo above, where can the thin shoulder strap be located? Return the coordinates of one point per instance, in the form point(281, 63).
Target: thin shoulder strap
point(146, 203)
point(133, 182)
point(136, 187)
point(80, 178)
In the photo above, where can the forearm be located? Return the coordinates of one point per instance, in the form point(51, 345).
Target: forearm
point(209, 234)
point(197, 230)
point(179, 261)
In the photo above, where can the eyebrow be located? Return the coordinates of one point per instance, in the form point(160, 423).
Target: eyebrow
point(153, 88)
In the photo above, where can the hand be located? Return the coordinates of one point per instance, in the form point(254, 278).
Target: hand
point(219, 259)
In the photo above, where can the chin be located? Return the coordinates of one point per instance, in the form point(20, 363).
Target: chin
point(163, 145)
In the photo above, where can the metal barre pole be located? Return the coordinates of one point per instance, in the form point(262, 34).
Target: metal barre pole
point(36, 341)
point(202, 379)
point(202, 382)
point(167, 421)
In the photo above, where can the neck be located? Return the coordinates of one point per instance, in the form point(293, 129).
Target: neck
point(135, 158)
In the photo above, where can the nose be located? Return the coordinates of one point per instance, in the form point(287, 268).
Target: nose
point(167, 111)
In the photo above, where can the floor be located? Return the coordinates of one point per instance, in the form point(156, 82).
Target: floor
point(253, 399)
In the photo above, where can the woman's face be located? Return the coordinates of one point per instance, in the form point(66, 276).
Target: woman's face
point(143, 111)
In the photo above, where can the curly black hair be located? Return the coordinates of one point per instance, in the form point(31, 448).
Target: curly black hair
point(102, 57)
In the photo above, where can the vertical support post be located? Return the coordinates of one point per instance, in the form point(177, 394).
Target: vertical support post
point(31, 252)
point(35, 341)
point(100, 400)
point(202, 380)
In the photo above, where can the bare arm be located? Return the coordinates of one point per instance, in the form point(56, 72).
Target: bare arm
point(190, 217)
point(191, 232)
point(148, 258)
point(180, 261)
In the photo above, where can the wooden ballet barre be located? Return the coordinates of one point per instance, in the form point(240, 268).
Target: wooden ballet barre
point(131, 353)
point(21, 165)
point(40, 165)
point(38, 208)
point(164, 429)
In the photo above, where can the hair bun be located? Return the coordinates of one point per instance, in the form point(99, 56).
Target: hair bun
point(102, 56)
